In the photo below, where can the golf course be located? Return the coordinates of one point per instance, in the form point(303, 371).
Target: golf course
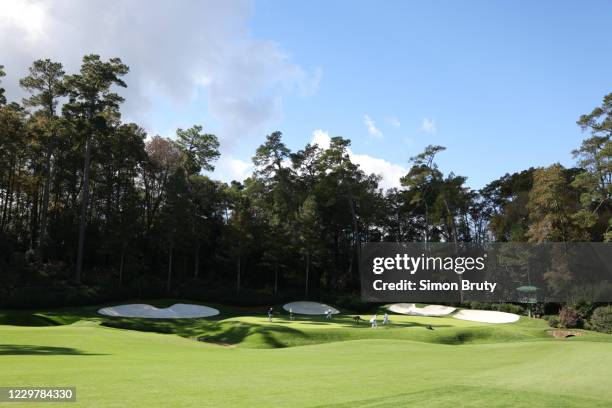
point(241, 358)
point(332, 204)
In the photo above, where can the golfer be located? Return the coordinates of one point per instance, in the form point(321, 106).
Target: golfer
point(385, 319)
point(291, 317)
point(373, 321)
point(270, 313)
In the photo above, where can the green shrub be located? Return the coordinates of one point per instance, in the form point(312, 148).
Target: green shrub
point(477, 305)
point(584, 310)
point(601, 319)
point(553, 322)
point(568, 318)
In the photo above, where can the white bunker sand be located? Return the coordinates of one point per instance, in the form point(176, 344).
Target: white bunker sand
point(430, 310)
point(309, 308)
point(486, 316)
point(176, 311)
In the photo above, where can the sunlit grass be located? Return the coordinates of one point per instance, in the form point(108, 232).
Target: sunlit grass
point(309, 362)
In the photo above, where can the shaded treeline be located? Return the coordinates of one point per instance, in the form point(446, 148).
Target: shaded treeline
point(89, 199)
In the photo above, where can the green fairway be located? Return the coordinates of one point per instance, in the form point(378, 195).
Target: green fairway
point(338, 364)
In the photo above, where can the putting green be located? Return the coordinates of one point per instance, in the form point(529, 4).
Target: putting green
point(340, 364)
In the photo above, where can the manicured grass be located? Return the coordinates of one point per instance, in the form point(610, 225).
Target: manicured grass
point(339, 364)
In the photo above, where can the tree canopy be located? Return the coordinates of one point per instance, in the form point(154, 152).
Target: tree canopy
point(90, 199)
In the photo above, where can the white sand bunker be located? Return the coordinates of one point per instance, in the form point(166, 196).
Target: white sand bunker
point(412, 310)
point(486, 316)
point(309, 308)
point(177, 311)
point(402, 308)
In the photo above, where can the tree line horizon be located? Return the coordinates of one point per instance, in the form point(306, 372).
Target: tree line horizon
point(86, 199)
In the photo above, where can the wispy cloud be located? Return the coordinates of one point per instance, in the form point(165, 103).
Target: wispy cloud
point(371, 126)
point(394, 122)
point(428, 126)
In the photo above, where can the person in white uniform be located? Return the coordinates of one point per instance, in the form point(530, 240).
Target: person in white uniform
point(373, 321)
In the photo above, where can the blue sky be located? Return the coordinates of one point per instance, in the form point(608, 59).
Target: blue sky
point(503, 82)
point(500, 84)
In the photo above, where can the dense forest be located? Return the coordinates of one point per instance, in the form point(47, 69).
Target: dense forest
point(94, 209)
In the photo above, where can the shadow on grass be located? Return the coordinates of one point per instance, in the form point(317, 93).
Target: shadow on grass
point(237, 332)
point(267, 335)
point(28, 349)
point(26, 319)
point(227, 332)
point(181, 327)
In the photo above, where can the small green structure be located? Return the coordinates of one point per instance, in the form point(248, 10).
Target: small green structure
point(528, 295)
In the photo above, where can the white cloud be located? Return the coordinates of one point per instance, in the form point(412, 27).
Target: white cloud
point(371, 126)
point(390, 172)
point(321, 138)
point(428, 126)
point(230, 168)
point(176, 51)
point(394, 122)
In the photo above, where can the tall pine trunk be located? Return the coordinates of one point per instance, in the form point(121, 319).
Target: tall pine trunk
point(35, 218)
point(356, 239)
point(84, 205)
point(8, 198)
point(45, 205)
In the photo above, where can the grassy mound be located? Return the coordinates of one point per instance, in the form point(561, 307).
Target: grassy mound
point(117, 368)
point(250, 328)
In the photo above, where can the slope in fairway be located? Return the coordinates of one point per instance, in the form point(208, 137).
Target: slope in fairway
point(117, 368)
